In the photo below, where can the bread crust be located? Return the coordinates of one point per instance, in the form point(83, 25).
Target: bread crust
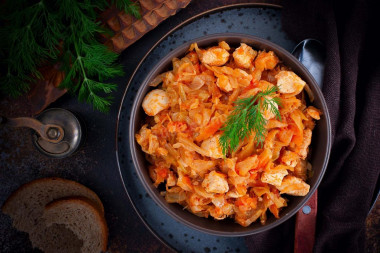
point(48, 179)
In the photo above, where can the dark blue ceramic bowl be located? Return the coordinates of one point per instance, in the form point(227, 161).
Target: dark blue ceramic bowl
point(321, 141)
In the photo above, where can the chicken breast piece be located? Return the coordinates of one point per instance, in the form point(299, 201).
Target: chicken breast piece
point(212, 148)
point(274, 177)
point(155, 101)
point(268, 113)
point(293, 186)
point(244, 56)
point(307, 133)
point(290, 158)
point(313, 112)
point(250, 163)
point(214, 56)
point(288, 82)
point(215, 182)
point(223, 82)
point(266, 60)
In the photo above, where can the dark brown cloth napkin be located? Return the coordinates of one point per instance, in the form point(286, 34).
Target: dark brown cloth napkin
point(352, 91)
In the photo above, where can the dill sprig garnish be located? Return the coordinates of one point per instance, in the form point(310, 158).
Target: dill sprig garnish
point(35, 33)
point(247, 118)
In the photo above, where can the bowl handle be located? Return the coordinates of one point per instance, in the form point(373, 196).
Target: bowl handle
point(305, 226)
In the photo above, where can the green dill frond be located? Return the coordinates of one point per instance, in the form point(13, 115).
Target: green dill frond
point(51, 33)
point(72, 74)
point(128, 6)
point(247, 119)
point(14, 85)
point(99, 61)
point(89, 92)
point(81, 27)
point(89, 64)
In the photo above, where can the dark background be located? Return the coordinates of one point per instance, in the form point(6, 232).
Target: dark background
point(95, 165)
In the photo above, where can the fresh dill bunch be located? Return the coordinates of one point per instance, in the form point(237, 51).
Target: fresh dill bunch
point(36, 33)
point(247, 118)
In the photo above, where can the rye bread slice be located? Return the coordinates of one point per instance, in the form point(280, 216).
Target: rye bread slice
point(26, 205)
point(55, 239)
point(82, 217)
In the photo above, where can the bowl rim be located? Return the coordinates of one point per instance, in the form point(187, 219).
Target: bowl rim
point(219, 37)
